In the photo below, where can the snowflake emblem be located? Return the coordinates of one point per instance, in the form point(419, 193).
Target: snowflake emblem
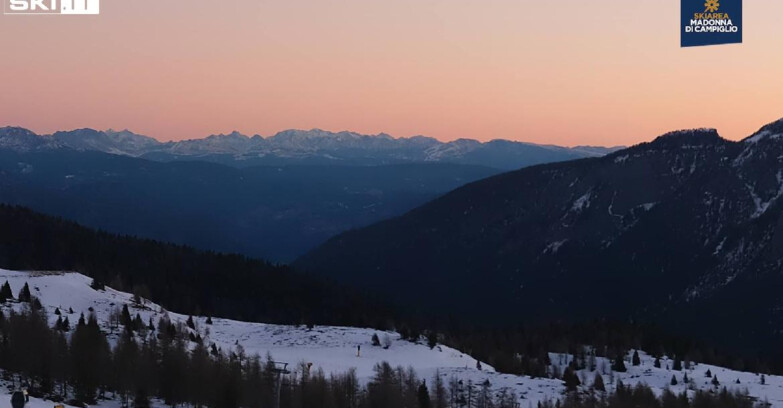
point(711, 6)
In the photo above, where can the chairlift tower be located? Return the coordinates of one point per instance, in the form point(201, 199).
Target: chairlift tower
point(280, 369)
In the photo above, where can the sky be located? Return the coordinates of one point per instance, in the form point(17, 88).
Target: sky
point(568, 72)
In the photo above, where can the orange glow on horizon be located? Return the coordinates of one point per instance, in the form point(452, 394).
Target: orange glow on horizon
point(570, 72)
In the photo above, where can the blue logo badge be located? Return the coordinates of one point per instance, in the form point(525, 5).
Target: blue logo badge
point(710, 22)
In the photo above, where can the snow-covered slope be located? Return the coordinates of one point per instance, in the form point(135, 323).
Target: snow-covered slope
point(334, 349)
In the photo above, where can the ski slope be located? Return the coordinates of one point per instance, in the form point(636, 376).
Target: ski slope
point(334, 349)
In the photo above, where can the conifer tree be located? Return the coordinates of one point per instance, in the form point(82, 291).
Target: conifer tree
point(190, 323)
point(439, 395)
point(674, 380)
point(571, 379)
point(125, 317)
point(24, 294)
point(657, 363)
point(636, 360)
point(598, 383)
point(90, 354)
point(423, 395)
point(5, 292)
point(375, 340)
point(715, 381)
point(432, 339)
point(677, 364)
point(619, 364)
point(97, 285)
point(58, 325)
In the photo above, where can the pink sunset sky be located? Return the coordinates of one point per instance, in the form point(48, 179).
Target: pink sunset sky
point(565, 72)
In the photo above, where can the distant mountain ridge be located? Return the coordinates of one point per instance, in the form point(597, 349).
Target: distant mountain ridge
point(686, 230)
point(303, 147)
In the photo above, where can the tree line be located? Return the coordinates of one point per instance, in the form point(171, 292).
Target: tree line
point(181, 278)
point(195, 282)
point(165, 362)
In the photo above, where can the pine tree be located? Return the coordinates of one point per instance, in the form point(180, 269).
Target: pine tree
point(598, 383)
point(209, 320)
point(375, 340)
point(90, 357)
point(57, 311)
point(24, 294)
point(190, 323)
point(619, 364)
point(423, 395)
point(125, 317)
point(677, 364)
point(674, 380)
point(570, 379)
point(439, 394)
point(685, 378)
point(66, 326)
point(5, 291)
point(657, 363)
point(404, 334)
point(138, 324)
point(432, 339)
point(763, 379)
point(150, 326)
point(708, 373)
point(636, 360)
point(715, 381)
point(97, 285)
point(58, 325)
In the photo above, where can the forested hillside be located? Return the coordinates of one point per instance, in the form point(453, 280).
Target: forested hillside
point(184, 279)
point(685, 231)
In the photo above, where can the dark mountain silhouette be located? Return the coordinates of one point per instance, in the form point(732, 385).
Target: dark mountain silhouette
point(686, 231)
point(275, 213)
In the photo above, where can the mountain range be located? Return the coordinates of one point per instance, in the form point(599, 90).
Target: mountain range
point(684, 231)
point(304, 187)
point(302, 147)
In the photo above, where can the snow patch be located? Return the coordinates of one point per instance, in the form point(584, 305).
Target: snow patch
point(582, 202)
point(553, 247)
